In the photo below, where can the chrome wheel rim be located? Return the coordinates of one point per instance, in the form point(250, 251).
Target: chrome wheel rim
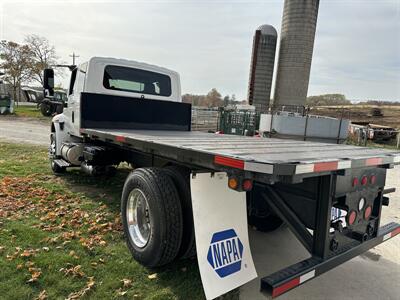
point(138, 217)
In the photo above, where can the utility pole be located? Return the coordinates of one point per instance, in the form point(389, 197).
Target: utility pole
point(73, 57)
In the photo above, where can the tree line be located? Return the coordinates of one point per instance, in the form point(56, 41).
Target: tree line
point(327, 99)
point(212, 99)
point(24, 63)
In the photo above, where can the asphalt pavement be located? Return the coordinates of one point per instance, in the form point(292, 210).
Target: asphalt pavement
point(373, 275)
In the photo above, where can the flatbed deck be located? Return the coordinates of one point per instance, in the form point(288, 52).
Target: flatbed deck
point(255, 154)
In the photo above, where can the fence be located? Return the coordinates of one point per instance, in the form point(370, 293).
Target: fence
point(204, 119)
point(239, 122)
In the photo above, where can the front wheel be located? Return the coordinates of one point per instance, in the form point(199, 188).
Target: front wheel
point(46, 109)
point(151, 216)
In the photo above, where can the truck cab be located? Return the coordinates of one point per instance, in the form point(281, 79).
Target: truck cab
point(111, 77)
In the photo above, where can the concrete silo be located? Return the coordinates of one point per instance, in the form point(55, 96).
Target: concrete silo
point(295, 53)
point(262, 67)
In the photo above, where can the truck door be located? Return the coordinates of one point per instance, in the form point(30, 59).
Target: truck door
point(72, 112)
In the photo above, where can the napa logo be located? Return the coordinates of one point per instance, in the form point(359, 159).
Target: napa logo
point(225, 253)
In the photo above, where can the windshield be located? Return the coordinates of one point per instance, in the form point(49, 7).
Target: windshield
point(136, 80)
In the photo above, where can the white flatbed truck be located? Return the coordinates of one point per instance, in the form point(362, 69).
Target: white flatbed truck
point(330, 196)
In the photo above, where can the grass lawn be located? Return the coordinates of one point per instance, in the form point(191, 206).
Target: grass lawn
point(29, 112)
point(61, 237)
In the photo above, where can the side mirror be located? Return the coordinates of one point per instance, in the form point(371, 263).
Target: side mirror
point(48, 82)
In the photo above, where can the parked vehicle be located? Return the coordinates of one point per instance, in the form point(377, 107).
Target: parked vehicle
point(6, 103)
point(55, 104)
point(329, 195)
point(48, 104)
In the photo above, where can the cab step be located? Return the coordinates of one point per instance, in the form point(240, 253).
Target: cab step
point(62, 163)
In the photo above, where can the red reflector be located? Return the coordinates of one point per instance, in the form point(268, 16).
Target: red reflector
point(373, 179)
point(285, 287)
point(120, 138)
point(367, 212)
point(351, 217)
point(326, 166)
point(230, 162)
point(247, 185)
point(355, 181)
point(373, 161)
point(395, 232)
point(364, 180)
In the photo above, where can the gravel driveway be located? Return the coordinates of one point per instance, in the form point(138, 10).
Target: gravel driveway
point(373, 275)
point(24, 131)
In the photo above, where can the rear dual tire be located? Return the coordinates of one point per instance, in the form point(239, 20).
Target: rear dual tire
point(181, 178)
point(153, 230)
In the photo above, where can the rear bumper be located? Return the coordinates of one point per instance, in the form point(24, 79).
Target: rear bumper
point(295, 275)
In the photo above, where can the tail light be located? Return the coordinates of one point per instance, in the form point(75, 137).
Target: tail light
point(351, 217)
point(367, 212)
point(247, 185)
point(364, 180)
point(355, 182)
point(373, 179)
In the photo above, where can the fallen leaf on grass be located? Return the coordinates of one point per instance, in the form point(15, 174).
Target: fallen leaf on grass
point(74, 271)
point(121, 292)
point(126, 282)
point(79, 294)
point(35, 274)
point(29, 264)
point(73, 254)
point(152, 276)
point(20, 266)
point(42, 295)
point(27, 253)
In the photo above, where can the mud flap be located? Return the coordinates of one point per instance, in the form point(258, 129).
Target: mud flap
point(222, 242)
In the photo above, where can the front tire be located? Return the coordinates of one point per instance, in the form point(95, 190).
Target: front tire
point(46, 109)
point(151, 217)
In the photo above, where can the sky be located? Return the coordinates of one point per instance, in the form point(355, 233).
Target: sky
point(356, 51)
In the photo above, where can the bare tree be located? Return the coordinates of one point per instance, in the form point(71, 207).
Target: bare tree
point(213, 98)
point(15, 61)
point(43, 55)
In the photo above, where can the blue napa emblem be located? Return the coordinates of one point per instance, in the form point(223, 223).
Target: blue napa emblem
point(225, 253)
